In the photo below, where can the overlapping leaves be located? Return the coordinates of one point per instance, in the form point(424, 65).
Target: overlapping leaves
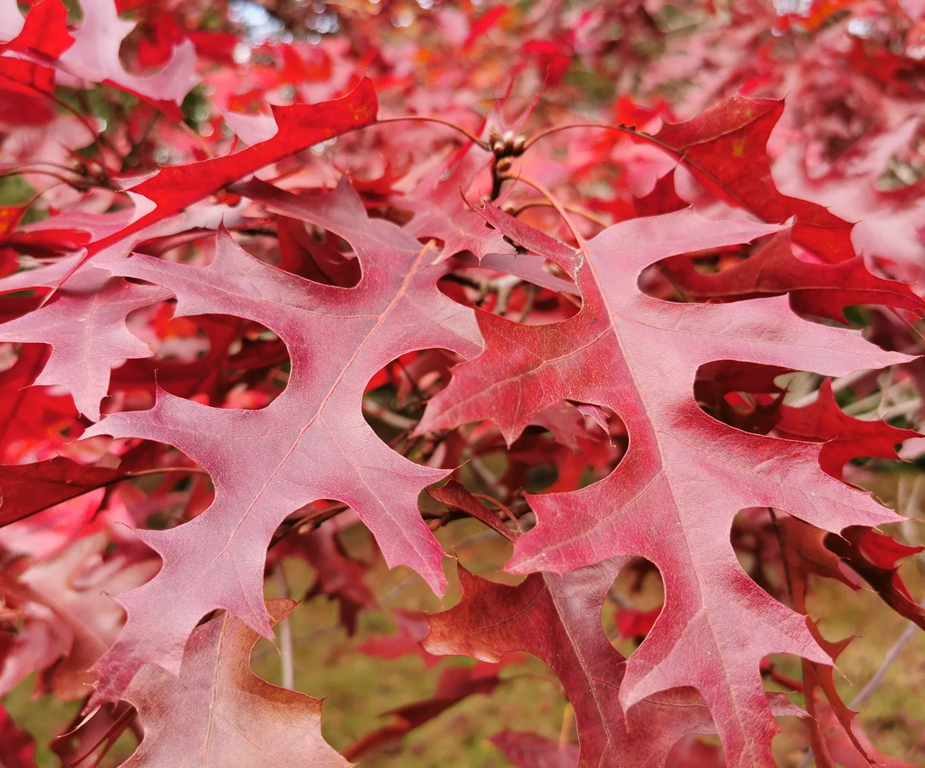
point(672, 498)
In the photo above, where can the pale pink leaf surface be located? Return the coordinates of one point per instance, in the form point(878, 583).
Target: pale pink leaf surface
point(217, 712)
point(530, 750)
point(85, 326)
point(70, 619)
point(95, 56)
point(685, 475)
point(310, 443)
point(11, 20)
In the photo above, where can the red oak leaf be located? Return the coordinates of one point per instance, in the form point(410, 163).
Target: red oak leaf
point(9, 220)
point(568, 424)
point(456, 496)
point(14, 394)
point(876, 557)
point(18, 745)
point(44, 32)
point(302, 255)
point(412, 629)
point(218, 712)
point(26, 489)
point(843, 438)
point(67, 232)
point(663, 198)
point(691, 752)
point(337, 576)
point(635, 623)
point(299, 127)
point(310, 443)
point(805, 552)
point(844, 749)
point(725, 148)
point(29, 488)
point(84, 735)
point(85, 325)
point(95, 56)
point(483, 24)
point(20, 79)
point(441, 212)
point(684, 474)
point(11, 21)
point(203, 375)
point(819, 289)
point(889, 222)
point(857, 552)
point(42, 38)
point(70, 619)
point(557, 618)
point(529, 750)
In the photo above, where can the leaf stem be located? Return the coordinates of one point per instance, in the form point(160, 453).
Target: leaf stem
point(583, 212)
point(439, 121)
point(619, 128)
point(504, 511)
point(554, 201)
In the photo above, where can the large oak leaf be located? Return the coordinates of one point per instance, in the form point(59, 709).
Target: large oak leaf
point(685, 476)
point(94, 56)
point(310, 443)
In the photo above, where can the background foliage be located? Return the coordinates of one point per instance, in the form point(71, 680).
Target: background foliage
point(182, 265)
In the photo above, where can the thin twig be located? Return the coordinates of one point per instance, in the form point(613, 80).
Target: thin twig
point(163, 470)
point(38, 172)
point(98, 138)
point(604, 126)
point(285, 632)
point(439, 121)
point(582, 244)
point(531, 292)
point(308, 637)
point(868, 690)
point(386, 416)
point(584, 212)
point(504, 510)
point(905, 408)
point(481, 471)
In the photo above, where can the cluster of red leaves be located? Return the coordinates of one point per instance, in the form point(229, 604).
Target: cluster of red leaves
point(265, 286)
